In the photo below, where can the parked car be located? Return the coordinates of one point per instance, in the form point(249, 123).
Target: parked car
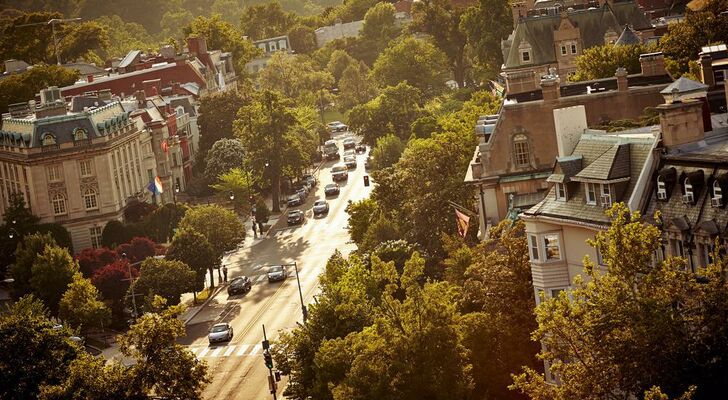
point(276, 273)
point(295, 217)
point(310, 180)
point(349, 143)
point(361, 148)
point(220, 333)
point(320, 207)
point(303, 192)
point(350, 162)
point(240, 284)
point(331, 189)
point(295, 200)
point(337, 126)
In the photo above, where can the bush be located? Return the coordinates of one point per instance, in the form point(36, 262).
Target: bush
point(137, 211)
point(138, 249)
point(90, 260)
point(112, 281)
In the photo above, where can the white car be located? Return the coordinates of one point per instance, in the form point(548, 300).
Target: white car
point(220, 333)
point(320, 207)
point(276, 273)
point(337, 126)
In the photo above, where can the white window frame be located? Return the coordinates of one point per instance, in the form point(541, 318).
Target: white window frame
point(521, 151)
point(590, 191)
point(49, 140)
point(689, 194)
point(533, 251)
point(547, 246)
point(526, 56)
point(717, 194)
point(85, 167)
point(560, 187)
point(563, 50)
point(95, 233)
point(606, 195)
point(55, 173)
point(91, 199)
point(661, 189)
point(58, 204)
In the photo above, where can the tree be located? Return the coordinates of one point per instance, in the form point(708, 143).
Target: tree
point(27, 252)
point(224, 155)
point(684, 39)
point(302, 39)
point(614, 321)
point(123, 36)
point(165, 278)
point(379, 231)
point(21, 87)
point(221, 227)
point(173, 22)
point(164, 367)
point(80, 305)
point(356, 86)
point(224, 36)
point(339, 61)
point(29, 43)
point(58, 232)
point(380, 24)
point(217, 113)
point(113, 281)
point(262, 213)
point(485, 26)
point(361, 215)
point(162, 223)
point(193, 249)
point(414, 61)
point(34, 352)
point(266, 20)
point(602, 61)
point(135, 211)
point(138, 249)
point(240, 183)
point(52, 272)
point(90, 260)
point(387, 151)
point(116, 233)
point(84, 40)
point(393, 111)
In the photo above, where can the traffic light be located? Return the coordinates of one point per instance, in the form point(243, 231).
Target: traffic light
point(366, 180)
point(268, 359)
point(277, 375)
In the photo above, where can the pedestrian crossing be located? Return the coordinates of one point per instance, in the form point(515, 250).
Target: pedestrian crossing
point(231, 350)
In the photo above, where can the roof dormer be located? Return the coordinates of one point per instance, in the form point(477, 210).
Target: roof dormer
point(666, 178)
point(692, 183)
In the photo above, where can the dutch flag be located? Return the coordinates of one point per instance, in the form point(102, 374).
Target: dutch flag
point(155, 186)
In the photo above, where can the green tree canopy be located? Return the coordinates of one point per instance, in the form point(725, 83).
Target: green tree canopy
point(302, 39)
point(221, 227)
point(80, 305)
point(393, 111)
point(266, 20)
point(27, 252)
point(684, 39)
point(87, 40)
point(387, 151)
point(338, 62)
point(165, 278)
point(356, 86)
point(52, 272)
point(224, 155)
point(485, 26)
point(414, 61)
point(193, 249)
point(224, 36)
point(602, 61)
point(22, 87)
point(361, 214)
point(241, 183)
point(123, 36)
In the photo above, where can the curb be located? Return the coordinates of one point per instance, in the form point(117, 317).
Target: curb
point(194, 314)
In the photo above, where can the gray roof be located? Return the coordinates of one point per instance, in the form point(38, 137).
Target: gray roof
point(129, 58)
point(612, 164)
point(684, 86)
point(628, 37)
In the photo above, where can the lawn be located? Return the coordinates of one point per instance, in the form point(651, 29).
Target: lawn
point(334, 115)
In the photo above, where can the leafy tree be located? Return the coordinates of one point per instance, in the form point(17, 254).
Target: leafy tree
point(425, 126)
point(380, 24)
point(80, 305)
point(613, 322)
point(485, 26)
point(224, 36)
point(162, 223)
point(83, 40)
point(116, 233)
point(262, 213)
point(123, 36)
point(339, 61)
point(193, 249)
point(414, 61)
point(138, 249)
point(90, 260)
point(113, 281)
point(266, 20)
point(164, 367)
point(296, 78)
point(25, 256)
point(397, 251)
point(59, 233)
point(391, 112)
point(34, 352)
point(165, 278)
point(353, 10)
point(356, 86)
point(302, 39)
point(240, 182)
point(29, 43)
point(602, 61)
point(221, 227)
point(387, 152)
point(173, 21)
point(135, 211)
point(379, 231)
point(52, 272)
point(21, 87)
point(361, 215)
point(684, 39)
point(217, 113)
point(224, 155)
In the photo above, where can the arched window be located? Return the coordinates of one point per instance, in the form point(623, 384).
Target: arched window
point(521, 152)
point(48, 139)
point(689, 196)
point(717, 200)
point(89, 199)
point(661, 188)
point(59, 204)
point(79, 134)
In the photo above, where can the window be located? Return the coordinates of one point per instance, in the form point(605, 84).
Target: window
point(533, 246)
point(55, 173)
point(560, 192)
point(95, 234)
point(707, 253)
point(90, 200)
point(551, 245)
point(555, 292)
point(661, 189)
point(677, 248)
point(520, 151)
point(688, 197)
point(272, 46)
point(591, 193)
point(600, 257)
point(261, 46)
point(525, 56)
point(48, 139)
point(563, 50)
point(606, 196)
point(79, 134)
point(282, 44)
point(85, 167)
point(58, 202)
point(573, 49)
point(717, 200)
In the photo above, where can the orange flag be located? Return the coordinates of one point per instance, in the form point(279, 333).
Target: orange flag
point(463, 223)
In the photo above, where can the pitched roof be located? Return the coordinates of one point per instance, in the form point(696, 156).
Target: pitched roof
point(628, 37)
point(684, 86)
point(129, 58)
point(612, 164)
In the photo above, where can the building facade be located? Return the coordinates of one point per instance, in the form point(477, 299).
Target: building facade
point(268, 47)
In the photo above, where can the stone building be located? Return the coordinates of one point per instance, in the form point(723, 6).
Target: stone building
point(268, 46)
point(76, 165)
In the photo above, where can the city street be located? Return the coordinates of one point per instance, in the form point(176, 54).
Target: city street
point(237, 368)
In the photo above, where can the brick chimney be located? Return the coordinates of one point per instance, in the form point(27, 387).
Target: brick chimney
point(706, 70)
point(550, 86)
point(151, 87)
point(622, 83)
point(681, 122)
point(141, 98)
point(197, 45)
point(653, 64)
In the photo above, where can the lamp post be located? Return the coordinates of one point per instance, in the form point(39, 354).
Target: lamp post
point(176, 192)
point(304, 311)
point(53, 23)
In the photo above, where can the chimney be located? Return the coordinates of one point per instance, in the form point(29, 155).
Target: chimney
point(151, 87)
point(197, 45)
point(622, 83)
point(653, 64)
point(570, 123)
point(89, 78)
point(141, 98)
point(519, 9)
point(706, 70)
point(105, 94)
point(681, 122)
point(167, 52)
point(550, 86)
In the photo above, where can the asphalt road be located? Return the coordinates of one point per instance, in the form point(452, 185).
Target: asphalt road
point(237, 369)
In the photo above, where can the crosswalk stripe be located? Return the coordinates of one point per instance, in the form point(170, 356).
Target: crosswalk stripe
point(255, 350)
point(203, 352)
point(216, 352)
point(229, 351)
point(243, 347)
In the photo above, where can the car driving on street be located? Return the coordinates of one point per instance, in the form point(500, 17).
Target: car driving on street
point(220, 333)
point(240, 284)
point(320, 207)
point(295, 217)
point(361, 148)
point(339, 172)
point(350, 162)
point(337, 126)
point(349, 143)
point(276, 273)
point(331, 189)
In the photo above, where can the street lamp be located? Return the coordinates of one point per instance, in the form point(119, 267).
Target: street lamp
point(12, 233)
point(53, 23)
point(231, 195)
point(176, 192)
point(304, 311)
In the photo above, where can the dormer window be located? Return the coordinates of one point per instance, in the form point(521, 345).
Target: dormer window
point(563, 50)
point(560, 192)
point(524, 49)
point(526, 56)
point(606, 196)
point(79, 134)
point(591, 193)
point(688, 196)
point(661, 188)
point(48, 139)
point(717, 200)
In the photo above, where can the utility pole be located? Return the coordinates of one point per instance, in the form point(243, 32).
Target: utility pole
point(304, 311)
point(269, 363)
point(53, 23)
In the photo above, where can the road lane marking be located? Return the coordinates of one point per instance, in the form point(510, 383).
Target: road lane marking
point(216, 352)
point(243, 347)
point(203, 352)
point(255, 350)
point(229, 350)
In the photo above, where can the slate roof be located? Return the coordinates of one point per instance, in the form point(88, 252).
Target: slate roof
point(628, 37)
point(565, 168)
point(612, 164)
point(129, 58)
point(684, 86)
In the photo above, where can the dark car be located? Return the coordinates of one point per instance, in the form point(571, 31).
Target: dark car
point(276, 273)
point(320, 207)
point(350, 162)
point(240, 284)
point(295, 200)
point(349, 143)
point(361, 148)
point(331, 189)
point(310, 180)
point(295, 217)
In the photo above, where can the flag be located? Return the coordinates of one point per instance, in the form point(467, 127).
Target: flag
point(463, 223)
point(165, 146)
point(155, 186)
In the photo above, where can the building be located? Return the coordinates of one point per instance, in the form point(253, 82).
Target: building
point(268, 47)
point(75, 164)
point(550, 34)
point(338, 30)
point(517, 147)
